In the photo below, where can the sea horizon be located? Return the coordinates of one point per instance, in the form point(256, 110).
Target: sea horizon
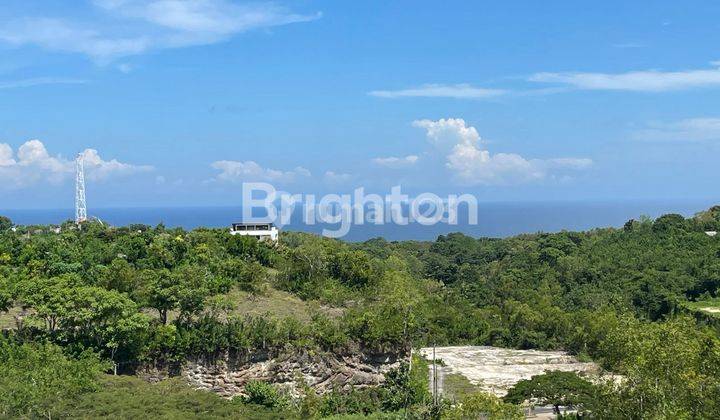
point(495, 219)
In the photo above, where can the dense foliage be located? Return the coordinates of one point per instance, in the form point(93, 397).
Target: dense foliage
point(140, 295)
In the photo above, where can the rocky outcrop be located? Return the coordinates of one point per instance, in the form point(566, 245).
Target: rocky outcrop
point(495, 369)
point(321, 371)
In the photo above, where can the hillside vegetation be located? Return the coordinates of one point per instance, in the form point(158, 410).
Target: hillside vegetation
point(83, 303)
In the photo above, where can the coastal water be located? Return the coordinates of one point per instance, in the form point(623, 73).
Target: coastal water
point(495, 219)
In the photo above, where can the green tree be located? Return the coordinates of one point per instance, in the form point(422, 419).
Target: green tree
point(353, 268)
point(5, 223)
point(160, 292)
point(192, 287)
point(48, 297)
point(121, 276)
point(6, 298)
point(671, 370)
point(553, 388)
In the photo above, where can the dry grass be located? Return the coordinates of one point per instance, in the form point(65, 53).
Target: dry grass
point(271, 302)
point(7, 319)
point(276, 303)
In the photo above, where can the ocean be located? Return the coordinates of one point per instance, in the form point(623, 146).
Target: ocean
point(494, 220)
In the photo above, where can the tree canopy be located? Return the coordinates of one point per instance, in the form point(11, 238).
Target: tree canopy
point(140, 295)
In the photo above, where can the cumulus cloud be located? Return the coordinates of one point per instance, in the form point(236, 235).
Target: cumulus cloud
point(34, 164)
point(6, 155)
point(471, 165)
point(250, 171)
point(34, 154)
point(687, 130)
point(396, 162)
point(640, 81)
point(99, 169)
point(135, 26)
point(458, 91)
point(446, 133)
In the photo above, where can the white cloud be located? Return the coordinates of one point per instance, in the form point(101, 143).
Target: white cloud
point(34, 154)
point(134, 26)
point(34, 164)
point(687, 130)
point(473, 166)
point(334, 177)
point(459, 91)
point(218, 17)
point(249, 171)
point(98, 169)
point(570, 163)
point(60, 35)
point(446, 133)
point(640, 81)
point(39, 81)
point(6, 155)
point(396, 162)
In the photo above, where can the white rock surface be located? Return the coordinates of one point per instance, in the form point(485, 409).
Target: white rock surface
point(496, 369)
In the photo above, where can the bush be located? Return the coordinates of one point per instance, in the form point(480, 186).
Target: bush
point(365, 401)
point(264, 394)
point(483, 406)
point(35, 378)
point(127, 397)
point(404, 388)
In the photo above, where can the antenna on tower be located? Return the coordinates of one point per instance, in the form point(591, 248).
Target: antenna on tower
point(80, 204)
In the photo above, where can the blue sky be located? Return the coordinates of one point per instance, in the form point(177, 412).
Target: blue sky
point(177, 102)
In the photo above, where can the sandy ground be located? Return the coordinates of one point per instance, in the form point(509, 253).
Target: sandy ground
point(712, 310)
point(495, 369)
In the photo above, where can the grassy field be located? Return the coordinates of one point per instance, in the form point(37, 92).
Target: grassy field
point(456, 386)
point(278, 304)
point(123, 397)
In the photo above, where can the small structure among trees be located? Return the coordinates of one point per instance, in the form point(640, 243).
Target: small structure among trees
point(262, 231)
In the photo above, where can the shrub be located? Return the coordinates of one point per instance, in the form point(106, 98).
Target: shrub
point(264, 394)
point(34, 378)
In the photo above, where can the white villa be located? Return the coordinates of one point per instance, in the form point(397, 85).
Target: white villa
point(262, 231)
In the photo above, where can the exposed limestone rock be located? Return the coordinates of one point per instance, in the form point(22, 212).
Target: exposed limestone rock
point(496, 369)
point(323, 372)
